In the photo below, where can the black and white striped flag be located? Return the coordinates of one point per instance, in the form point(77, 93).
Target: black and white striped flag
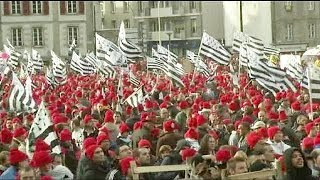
point(59, 70)
point(156, 62)
point(243, 58)
point(170, 58)
point(42, 128)
point(270, 50)
point(212, 48)
point(37, 61)
point(198, 63)
point(109, 52)
point(313, 74)
point(257, 44)
point(81, 66)
point(104, 68)
point(136, 97)
point(14, 57)
point(129, 50)
point(133, 79)
point(295, 70)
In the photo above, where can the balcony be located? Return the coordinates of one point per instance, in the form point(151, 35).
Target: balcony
point(163, 12)
point(163, 35)
point(181, 35)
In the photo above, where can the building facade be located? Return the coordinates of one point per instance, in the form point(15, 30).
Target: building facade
point(181, 22)
point(49, 25)
point(296, 25)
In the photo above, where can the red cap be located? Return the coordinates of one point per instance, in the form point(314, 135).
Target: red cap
point(253, 138)
point(125, 164)
point(6, 136)
point(16, 156)
point(41, 158)
point(201, 120)
point(41, 145)
point(247, 119)
point(272, 131)
point(234, 106)
point(308, 143)
point(89, 141)
point(283, 116)
point(183, 105)
point(308, 127)
point(188, 153)
point(223, 155)
point(102, 137)
point(169, 125)
point(65, 135)
point(124, 128)
point(273, 116)
point(19, 132)
point(192, 134)
point(108, 118)
point(90, 151)
point(87, 119)
point(296, 106)
point(143, 143)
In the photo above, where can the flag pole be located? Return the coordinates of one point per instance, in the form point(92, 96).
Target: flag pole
point(132, 94)
point(159, 26)
point(310, 92)
point(194, 70)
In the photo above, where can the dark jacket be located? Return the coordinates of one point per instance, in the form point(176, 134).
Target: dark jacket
point(142, 133)
point(169, 138)
point(70, 156)
point(294, 173)
point(130, 121)
point(83, 162)
point(173, 159)
point(96, 171)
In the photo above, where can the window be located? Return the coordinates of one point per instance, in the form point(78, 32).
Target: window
point(153, 4)
point(140, 26)
point(37, 36)
point(289, 34)
point(36, 7)
point(114, 24)
point(288, 5)
point(310, 5)
point(16, 7)
point(193, 26)
point(154, 26)
point(140, 7)
point(113, 7)
point(166, 4)
point(125, 6)
point(192, 5)
point(312, 31)
point(73, 34)
point(16, 34)
point(126, 23)
point(72, 7)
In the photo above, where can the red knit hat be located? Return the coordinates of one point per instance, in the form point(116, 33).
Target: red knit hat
point(89, 141)
point(253, 138)
point(155, 133)
point(102, 137)
point(19, 132)
point(41, 145)
point(308, 143)
point(164, 105)
point(273, 116)
point(143, 143)
point(283, 116)
point(57, 119)
point(16, 120)
point(65, 135)
point(41, 158)
point(90, 151)
point(188, 153)
point(124, 128)
point(263, 132)
point(16, 156)
point(296, 106)
point(272, 131)
point(183, 105)
point(227, 121)
point(233, 106)
point(47, 177)
point(6, 136)
point(201, 120)
point(192, 134)
point(87, 119)
point(223, 155)
point(148, 104)
point(247, 119)
point(169, 125)
point(125, 164)
point(308, 127)
point(108, 118)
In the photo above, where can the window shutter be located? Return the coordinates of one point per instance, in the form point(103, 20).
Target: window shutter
point(62, 7)
point(81, 7)
point(46, 7)
point(6, 7)
point(26, 7)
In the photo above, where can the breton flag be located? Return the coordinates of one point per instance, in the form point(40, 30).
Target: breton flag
point(129, 50)
point(170, 59)
point(42, 128)
point(191, 56)
point(295, 70)
point(59, 70)
point(243, 55)
point(37, 61)
point(81, 66)
point(157, 62)
point(136, 97)
point(14, 57)
point(238, 39)
point(212, 48)
point(153, 64)
point(20, 99)
point(270, 50)
point(314, 82)
point(30, 67)
point(104, 68)
point(257, 44)
point(73, 45)
point(133, 79)
point(109, 52)
point(198, 63)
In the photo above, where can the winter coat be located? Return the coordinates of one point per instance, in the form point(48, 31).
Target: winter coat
point(293, 173)
point(83, 162)
point(96, 171)
point(132, 120)
point(181, 118)
point(142, 133)
point(10, 173)
point(169, 138)
point(173, 159)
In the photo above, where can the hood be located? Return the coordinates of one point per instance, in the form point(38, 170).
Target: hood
point(297, 173)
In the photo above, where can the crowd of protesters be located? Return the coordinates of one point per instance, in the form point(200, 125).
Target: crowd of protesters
point(214, 124)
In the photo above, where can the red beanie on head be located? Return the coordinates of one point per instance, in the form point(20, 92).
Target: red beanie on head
point(89, 141)
point(41, 158)
point(102, 137)
point(143, 143)
point(223, 155)
point(65, 135)
point(317, 140)
point(308, 143)
point(248, 119)
point(124, 128)
point(188, 153)
point(296, 106)
point(90, 151)
point(19, 132)
point(41, 145)
point(87, 119)
point(109, 117)
point(253, 138)
point(6, 136)
point(308, 127)
point(192, 134)
point(183, 105)
point(201, 120)
point(169, 125)
point(47, 177)
point(16, 156)
point(272, 131)
point(234, 106)
point(283, 116)
point(125, 164)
